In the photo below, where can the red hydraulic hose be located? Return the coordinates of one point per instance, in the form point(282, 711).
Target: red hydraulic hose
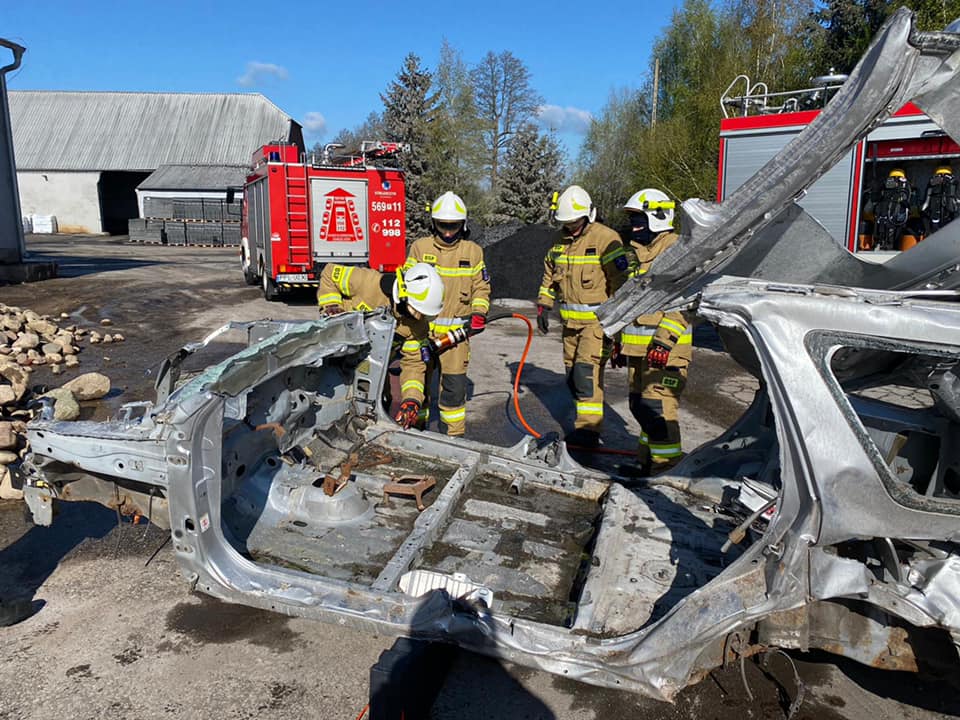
point(516, 394)
point(516, 380)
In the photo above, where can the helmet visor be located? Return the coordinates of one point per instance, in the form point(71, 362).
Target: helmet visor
point(574, 227)
point(638, 220)
point(448, 227)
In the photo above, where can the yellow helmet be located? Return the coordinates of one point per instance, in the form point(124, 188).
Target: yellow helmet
point(897, 173)
point(943, 170)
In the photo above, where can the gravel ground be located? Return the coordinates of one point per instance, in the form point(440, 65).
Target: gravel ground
point(115, 637)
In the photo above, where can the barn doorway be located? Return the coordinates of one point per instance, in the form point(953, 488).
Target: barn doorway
point(118, 199)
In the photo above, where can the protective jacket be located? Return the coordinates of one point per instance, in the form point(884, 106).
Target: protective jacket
point(669, 329)
point(581, 273)
point(349, 287)
point(466, 282)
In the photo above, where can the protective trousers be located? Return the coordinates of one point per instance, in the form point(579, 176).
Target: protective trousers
point(453, 387)
point(585, 351)
point(654, 402)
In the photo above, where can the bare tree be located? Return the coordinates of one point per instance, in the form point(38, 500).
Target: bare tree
point(456, 149)
point(370, 129)
point(505, 101)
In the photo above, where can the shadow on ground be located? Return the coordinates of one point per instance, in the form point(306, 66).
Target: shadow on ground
point(27, 562)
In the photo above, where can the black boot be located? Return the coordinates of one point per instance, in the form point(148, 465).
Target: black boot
point(583, 438)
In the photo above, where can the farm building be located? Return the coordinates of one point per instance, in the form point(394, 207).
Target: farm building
point(80, 156)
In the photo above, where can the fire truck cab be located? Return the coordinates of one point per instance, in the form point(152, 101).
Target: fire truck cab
point(893, 189)
point(300, 213)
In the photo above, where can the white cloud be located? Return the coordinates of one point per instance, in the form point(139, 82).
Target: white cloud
point(314, 123)
point(258, 72)
point(564, 119)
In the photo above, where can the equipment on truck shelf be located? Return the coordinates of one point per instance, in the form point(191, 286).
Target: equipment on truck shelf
point(858, 201)
point(300, 213)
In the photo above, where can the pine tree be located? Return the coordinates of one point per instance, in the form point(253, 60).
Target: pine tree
point(409, 107)
point(532, 170)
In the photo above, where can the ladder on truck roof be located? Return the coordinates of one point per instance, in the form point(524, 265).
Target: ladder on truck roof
point(369, 150)
point(756, 99)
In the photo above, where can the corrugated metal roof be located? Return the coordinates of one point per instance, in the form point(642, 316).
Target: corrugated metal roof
point(195, 177)
point(54, 130)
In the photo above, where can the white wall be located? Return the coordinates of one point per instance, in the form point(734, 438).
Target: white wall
point(71, 196)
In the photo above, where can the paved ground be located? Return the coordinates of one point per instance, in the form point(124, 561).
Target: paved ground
point(114, 637)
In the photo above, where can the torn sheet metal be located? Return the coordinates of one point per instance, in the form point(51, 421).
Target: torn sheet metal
point(901, 65)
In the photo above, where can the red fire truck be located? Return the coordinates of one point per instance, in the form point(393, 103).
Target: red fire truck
point(847, 200)
point(299, 214)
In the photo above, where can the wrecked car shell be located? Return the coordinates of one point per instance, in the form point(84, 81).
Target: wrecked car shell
point(273, 471)
point(657, 602)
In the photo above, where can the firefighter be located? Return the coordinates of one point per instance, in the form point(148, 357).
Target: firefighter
point(415, 296)
point(658, 346)
point(459, 261)
point(584, 268)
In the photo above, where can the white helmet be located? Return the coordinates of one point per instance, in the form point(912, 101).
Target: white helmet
point(421, 287)
point(449, 207)
point(574, 203)
point(657, 206)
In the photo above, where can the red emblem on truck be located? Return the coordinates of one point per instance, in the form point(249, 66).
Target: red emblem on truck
point(340, 222)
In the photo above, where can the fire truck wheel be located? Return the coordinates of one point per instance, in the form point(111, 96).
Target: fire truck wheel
point(270, 290)
point(250, 276)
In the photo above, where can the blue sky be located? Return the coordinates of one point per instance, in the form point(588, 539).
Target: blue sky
point(325, 63)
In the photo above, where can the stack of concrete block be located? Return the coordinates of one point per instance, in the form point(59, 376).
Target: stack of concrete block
point(204, 233)
point(231, 234)
point(189, 221)
point(174, 232)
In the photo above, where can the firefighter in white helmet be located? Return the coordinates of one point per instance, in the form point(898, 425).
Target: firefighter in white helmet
point(415, 296)
point(459, 261)
point(583, 269)
point(658, 346)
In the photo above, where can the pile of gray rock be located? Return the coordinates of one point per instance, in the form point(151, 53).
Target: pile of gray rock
point(28, 341)
point(23, 403)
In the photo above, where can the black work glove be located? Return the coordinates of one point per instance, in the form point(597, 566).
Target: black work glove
point(543, 320)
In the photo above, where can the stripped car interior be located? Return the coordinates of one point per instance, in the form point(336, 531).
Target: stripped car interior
point(827, 516)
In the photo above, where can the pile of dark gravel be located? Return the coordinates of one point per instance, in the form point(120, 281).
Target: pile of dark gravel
point(487, 235)
point(515, 262)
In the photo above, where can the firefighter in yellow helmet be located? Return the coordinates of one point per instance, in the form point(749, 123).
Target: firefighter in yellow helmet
point(658, 346)
point(459, 261)
point(415, 297)
point(584, 268)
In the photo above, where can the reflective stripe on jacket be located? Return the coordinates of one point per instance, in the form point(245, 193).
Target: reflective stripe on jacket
point(582, 272)
point(669, 329)
point(351, 287)
point(466, 282)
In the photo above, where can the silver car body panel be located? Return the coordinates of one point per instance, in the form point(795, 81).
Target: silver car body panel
point(759, 231)
point(818, 520)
